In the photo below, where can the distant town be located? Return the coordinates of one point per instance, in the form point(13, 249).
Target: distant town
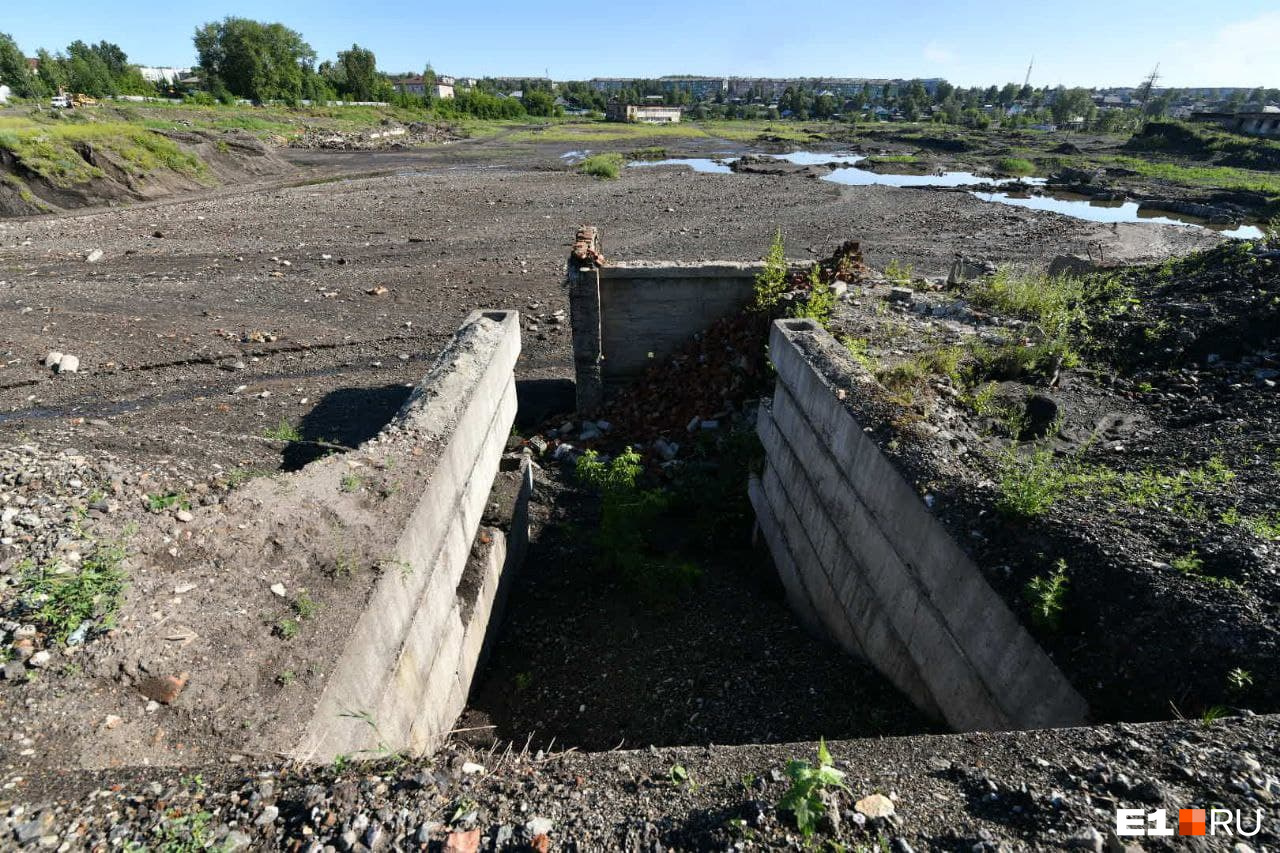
point(294, 77)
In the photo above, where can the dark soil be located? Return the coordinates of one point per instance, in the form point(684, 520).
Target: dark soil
point(590, 661)
point(1167, 535)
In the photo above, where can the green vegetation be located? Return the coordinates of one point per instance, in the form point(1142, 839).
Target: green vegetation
point(350, 483)
point(818, 303)
point(284, 431)
point(897, 273)
point(629, 516)
point(605, 166)
point(304, 606)
point(1216, 177)
point(771, 282)
point(1015, 166)
point(287, 629)
point(61, 601)
point(885, 159)
point(857, 348)
point(651, 153)
point(160, 503)
point(1030, 485)
point(804, 799)
point(1239, 680)
point(53, 150)
point(1046, 594)
point(186, 833)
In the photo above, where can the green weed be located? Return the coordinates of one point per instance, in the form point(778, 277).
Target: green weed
point(1046, 595)
point(1029, 486)
point(60, 603)
point(804, 799)
point(1015, 166)
point(284, 431)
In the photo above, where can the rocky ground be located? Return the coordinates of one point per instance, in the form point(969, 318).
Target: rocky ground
point(1049, 790)
point(1113, 480)
point(252, 328)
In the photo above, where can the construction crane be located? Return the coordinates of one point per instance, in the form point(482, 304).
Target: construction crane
point(1026, 81)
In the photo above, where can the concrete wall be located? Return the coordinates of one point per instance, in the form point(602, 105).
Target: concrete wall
point(864, 561)
point(403, 676)
point(625, 316)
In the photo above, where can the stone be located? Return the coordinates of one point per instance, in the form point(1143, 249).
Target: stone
point(51, 360)
point(14, 670)
point(40, 659)
point(875, 806)
point(1088, 839)
point(902, 295)
point(94, 256)
point(164, 689)
point(538, 826)
point(462, 842)
point(470, 767)
point(184, 516)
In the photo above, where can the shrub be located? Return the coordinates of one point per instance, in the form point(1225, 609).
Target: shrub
point(1015, 166)
point(604, 166)
point(819, 303)
point(771, 282)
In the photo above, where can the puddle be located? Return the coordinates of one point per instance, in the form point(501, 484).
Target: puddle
point(817, 158)
point(575, 156)
point(1080, 207)
point(1093, 210)
point(863, 178)
point(698, 164)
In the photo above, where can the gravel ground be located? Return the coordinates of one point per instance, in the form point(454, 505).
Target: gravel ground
point(249, 329)
point(1047, 790)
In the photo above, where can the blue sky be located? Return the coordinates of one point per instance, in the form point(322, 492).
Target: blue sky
point(1087, 42)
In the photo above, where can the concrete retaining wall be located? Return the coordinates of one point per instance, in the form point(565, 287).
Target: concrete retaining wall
point(626, 316)
point(403, 676)
point(862, 559)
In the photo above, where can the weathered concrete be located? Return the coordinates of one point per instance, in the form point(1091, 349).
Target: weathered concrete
point(626, 316)
point(861, 555)
point(403, 676)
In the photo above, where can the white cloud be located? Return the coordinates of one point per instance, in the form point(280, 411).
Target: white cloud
point(936, 53)
point(1243, 53)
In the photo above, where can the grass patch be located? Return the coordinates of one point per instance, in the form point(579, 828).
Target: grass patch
point(284, 431)
point(53, 150)
point(1217, 177)
point(885, 159)
point(60, 603)
point(604, 166)
point(1015, 166)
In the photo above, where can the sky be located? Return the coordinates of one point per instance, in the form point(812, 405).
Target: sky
point(977, 42)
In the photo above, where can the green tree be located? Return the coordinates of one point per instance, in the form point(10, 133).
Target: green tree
point(538, 103)
point(88, 72)
point(52, 71)
point(1071, 104)
point(13, 69)
point(254, 60)
point(360, 70)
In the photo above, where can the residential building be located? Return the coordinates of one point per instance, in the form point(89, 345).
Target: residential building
point(642, 113)
point(443, 87)
point(414, 84)
point(4, 93)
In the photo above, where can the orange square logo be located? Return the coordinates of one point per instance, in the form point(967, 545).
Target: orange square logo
point(1191, 821)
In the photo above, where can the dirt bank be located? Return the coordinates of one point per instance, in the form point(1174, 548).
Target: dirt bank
point(52, 169)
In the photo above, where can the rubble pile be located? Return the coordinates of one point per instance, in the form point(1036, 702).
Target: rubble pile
point(381, 138)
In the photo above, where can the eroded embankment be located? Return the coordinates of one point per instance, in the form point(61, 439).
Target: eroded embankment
point(63, 165)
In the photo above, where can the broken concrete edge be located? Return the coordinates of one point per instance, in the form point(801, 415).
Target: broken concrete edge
point(878, 571)
point(410, 657)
